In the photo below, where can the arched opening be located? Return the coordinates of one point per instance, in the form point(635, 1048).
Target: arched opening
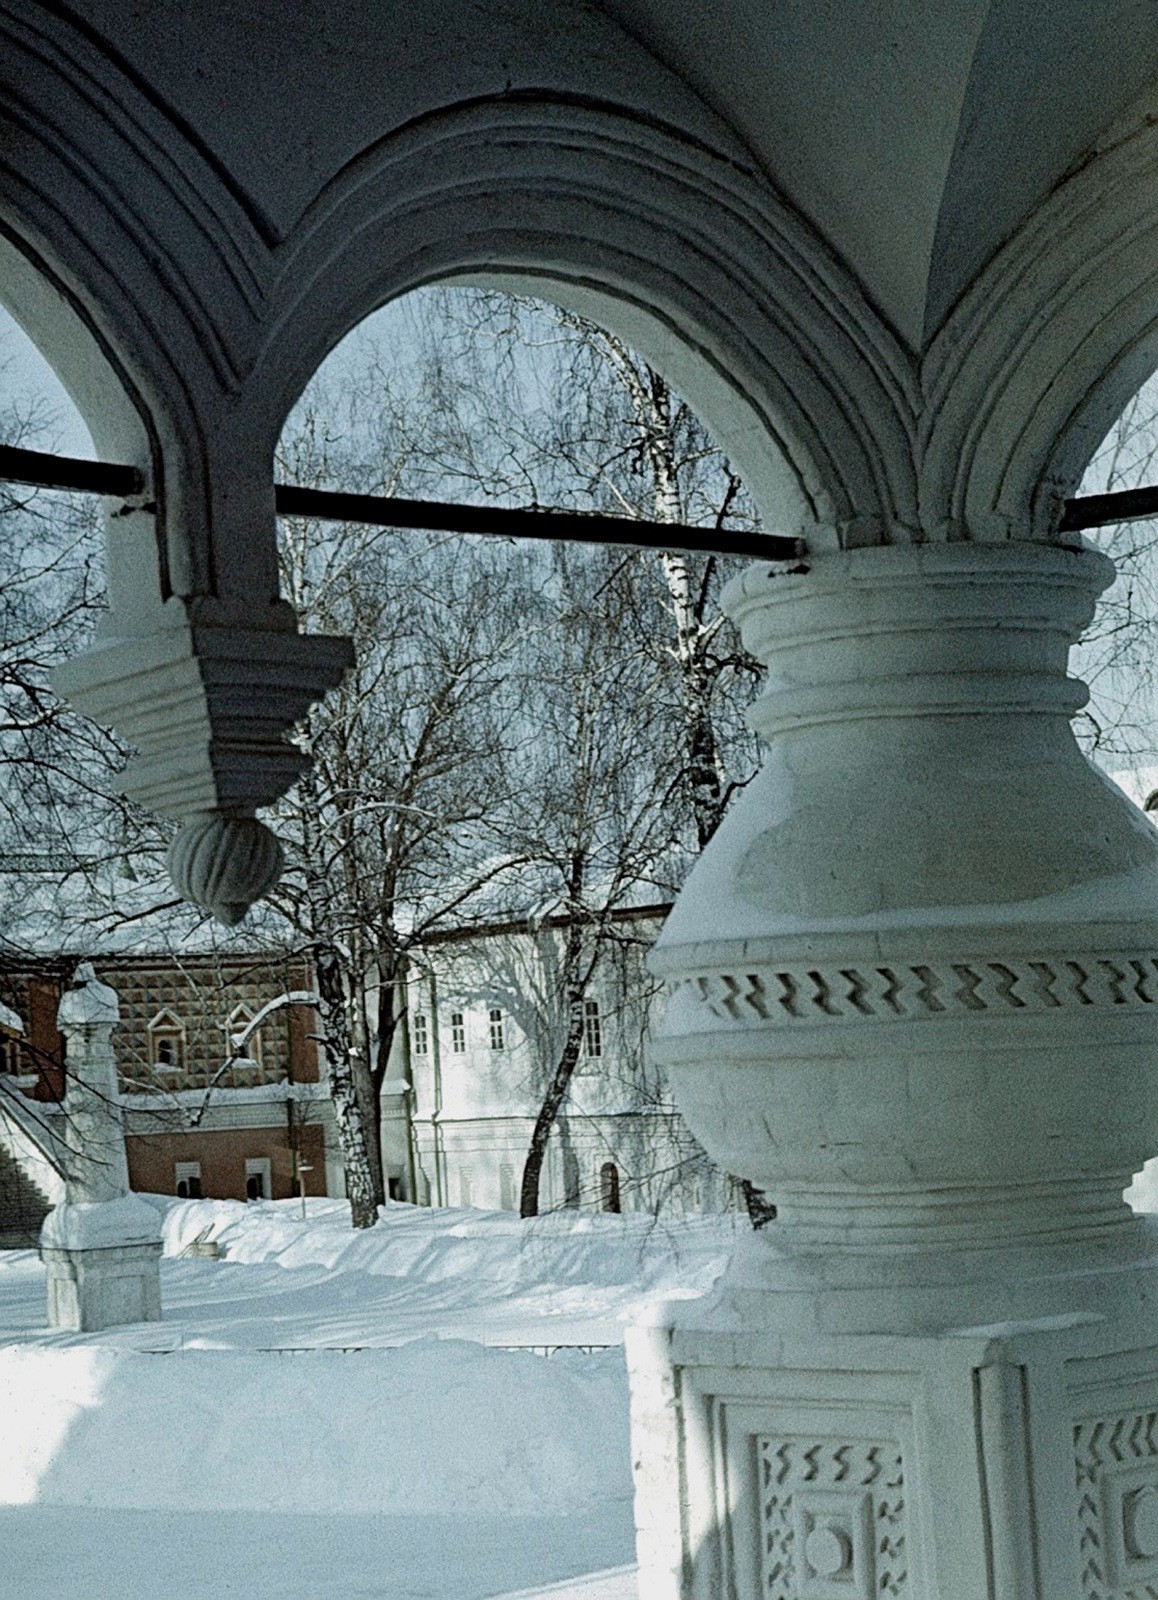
point(526, 724)
point(61, 557)
point(609, 1196)
point(109, 421)
point(1119, 727)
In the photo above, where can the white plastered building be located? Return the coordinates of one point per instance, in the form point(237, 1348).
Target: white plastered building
point(485, 1032)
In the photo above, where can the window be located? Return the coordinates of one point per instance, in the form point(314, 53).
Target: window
point(457, 1032)
point(421, 1037)
point(464, 1187)
point(167, 1051)
point(570, 1180)
point(592, 1029)
point(251, 1050)
point(11, 1060)
point(258, 1178)
point(506, 1186)
point(188, 1175)
point(498, 1041)
point(166, 1043)
point(609, 1187)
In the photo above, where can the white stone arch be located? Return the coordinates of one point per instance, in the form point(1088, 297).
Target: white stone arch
point(150, 247)
point(1041, 355)
point(58, 324)
point(682, 250)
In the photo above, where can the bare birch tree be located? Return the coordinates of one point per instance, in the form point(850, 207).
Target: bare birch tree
point(394, 830)
point(588, 814)
point(537, 406)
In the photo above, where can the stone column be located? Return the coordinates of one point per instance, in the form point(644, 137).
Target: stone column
point(102, 1246)
point(915, 999)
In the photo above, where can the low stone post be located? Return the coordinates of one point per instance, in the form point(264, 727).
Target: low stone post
point(102, 1246)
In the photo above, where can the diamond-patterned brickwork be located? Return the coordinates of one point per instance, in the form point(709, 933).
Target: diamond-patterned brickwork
point(202, 996)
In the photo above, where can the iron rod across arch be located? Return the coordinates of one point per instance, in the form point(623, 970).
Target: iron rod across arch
point(42, 470)
point(1099, 510)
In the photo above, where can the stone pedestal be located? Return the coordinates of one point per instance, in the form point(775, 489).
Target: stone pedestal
point(102, 1246)
point(915, 1000)
point(1015, 1461)
point(103, 1264)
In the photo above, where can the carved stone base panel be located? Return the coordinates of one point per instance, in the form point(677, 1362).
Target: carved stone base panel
point(1115, 1452)
point(89, 1290)
point(832, 1517)
point(1017, 1462)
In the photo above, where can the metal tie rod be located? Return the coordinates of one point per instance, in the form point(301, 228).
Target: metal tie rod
point(1099, 510)
point(42, 470)
point(45, 471)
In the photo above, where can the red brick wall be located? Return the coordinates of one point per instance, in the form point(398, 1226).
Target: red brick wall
point(303, 1027)
point(223, 1153)
point(201, 991)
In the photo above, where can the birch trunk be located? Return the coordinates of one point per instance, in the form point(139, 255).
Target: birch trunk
point(575, 989)
point(354, 1138)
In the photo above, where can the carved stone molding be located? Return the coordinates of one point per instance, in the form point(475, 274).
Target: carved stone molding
point(923, 792)
point(1034, 363)
point(891, 992)
point(832, 1519)
point(741, 279)
point(1116, 1462)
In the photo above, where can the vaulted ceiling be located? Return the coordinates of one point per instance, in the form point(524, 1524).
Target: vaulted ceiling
point(914, 134)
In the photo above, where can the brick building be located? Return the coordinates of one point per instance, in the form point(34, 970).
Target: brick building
point(201, 1116)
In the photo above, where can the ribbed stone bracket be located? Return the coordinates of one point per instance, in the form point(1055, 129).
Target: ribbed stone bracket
point(208, 709)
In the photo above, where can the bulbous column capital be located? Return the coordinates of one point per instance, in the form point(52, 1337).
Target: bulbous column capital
point(915, 973)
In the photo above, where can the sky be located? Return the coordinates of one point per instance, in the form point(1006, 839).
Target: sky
point(25, 378)
point(1126, 694)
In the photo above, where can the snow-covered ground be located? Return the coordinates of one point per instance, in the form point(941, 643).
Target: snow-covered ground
point(326, 1415)
point(413, 1411)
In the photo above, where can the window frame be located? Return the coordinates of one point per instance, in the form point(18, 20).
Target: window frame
point(240, 1017)
point(259, 1167)
point(187, 1172)
point(592, 1030)
point(166, 1026)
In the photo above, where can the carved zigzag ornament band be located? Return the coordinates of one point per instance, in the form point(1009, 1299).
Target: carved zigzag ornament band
point(783, 996)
